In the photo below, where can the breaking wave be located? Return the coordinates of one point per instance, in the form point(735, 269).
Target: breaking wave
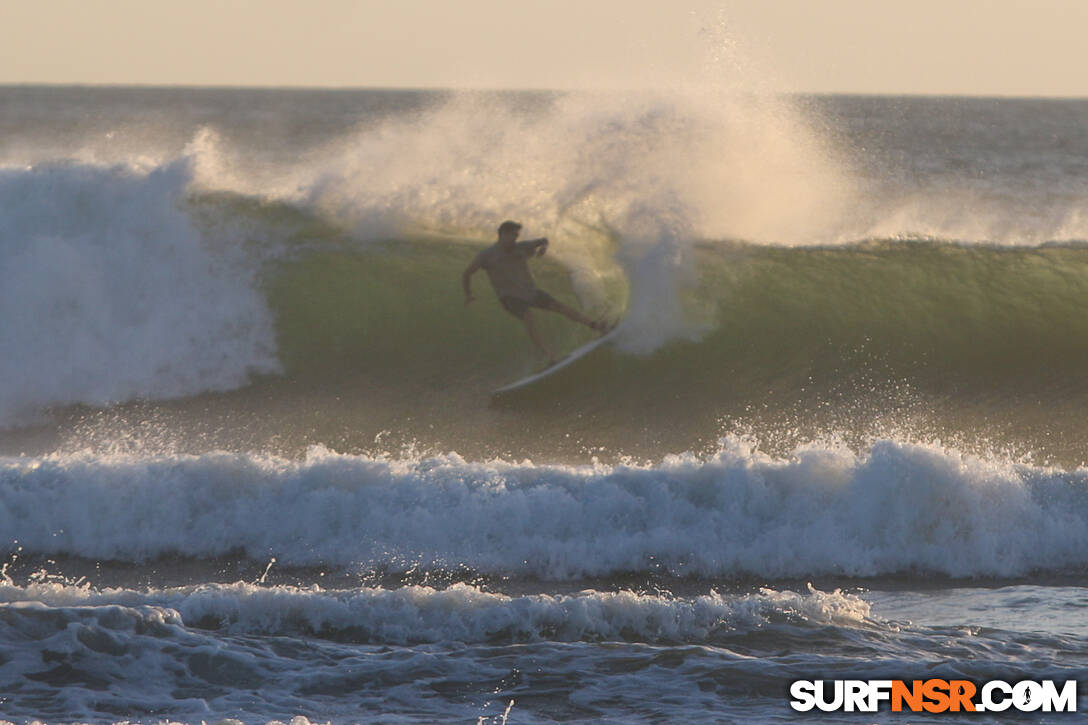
point(893, 509)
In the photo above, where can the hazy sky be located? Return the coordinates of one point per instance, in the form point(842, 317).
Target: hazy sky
point(1008, 47)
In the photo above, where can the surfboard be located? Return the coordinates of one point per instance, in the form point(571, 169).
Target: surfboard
point(571, 357)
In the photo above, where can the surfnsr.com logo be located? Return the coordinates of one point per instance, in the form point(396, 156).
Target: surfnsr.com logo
point(933, 696)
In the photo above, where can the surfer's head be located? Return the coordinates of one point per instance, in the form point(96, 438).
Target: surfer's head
point(508, 231)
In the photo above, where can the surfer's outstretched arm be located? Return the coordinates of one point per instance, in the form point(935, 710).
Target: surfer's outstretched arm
point(531, 247)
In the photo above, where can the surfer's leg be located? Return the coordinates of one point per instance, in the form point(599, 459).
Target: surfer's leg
point(534, 335)
point(550, 303)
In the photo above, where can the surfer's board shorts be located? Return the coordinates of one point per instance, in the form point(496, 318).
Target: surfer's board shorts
point(518, 307)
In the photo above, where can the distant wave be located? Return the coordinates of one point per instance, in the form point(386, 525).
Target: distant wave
point(461, 613)
point(898, 508)
point(200, 649)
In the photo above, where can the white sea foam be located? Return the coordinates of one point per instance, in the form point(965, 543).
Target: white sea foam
point(108, 292)
point(621, 183)
point(894, 508)
point(461, 613)
point(377, 655)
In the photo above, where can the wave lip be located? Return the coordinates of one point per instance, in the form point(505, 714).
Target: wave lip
point(897, 508)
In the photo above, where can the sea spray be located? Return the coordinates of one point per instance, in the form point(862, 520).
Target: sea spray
point(110, 293)
point(893, 509)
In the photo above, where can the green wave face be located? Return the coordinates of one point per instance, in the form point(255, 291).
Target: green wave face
point(930, 313)
point(395, 313)
point(977, 344)
point(940, 316)
point(969, 341)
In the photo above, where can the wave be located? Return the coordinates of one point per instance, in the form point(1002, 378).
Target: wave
point(417, 614)
point(953, 340)
point(171, 292)
point(334, 265)
point(199, 651)
point(193, 653)
point(110, 293)
point(896, 508)
point(917, 310)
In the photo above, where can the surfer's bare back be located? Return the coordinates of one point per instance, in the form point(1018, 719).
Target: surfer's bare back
point(507, 265)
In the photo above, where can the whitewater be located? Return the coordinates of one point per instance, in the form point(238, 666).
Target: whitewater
point(251, 466)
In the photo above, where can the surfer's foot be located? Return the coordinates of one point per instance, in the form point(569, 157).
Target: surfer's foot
point(599, 326)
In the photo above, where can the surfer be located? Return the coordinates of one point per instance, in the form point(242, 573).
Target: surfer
point(507, 265)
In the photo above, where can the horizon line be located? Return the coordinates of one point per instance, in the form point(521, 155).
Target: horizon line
point(504, 89)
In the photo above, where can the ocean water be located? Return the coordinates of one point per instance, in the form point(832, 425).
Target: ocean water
point(251, 468)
